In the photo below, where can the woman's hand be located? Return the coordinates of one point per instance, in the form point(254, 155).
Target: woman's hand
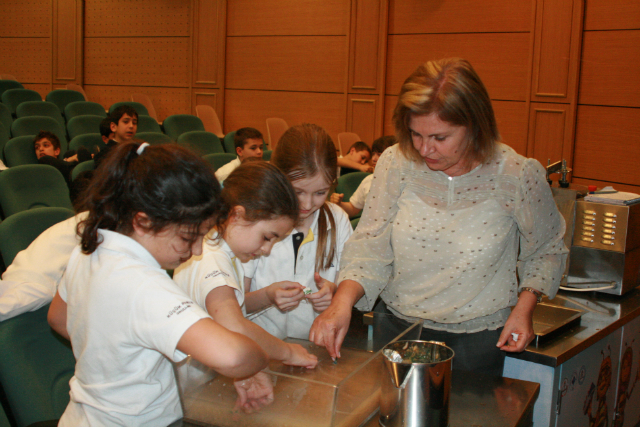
point(336, 198)
point(254, 392)
point(322, 299)
point(285, 295)
point(520, 322)
point(299, 356)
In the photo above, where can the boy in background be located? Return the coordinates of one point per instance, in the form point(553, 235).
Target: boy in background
point(47, 147)
point(248, 143)
point(123, 123)
point(356, 160)
point(356, 203)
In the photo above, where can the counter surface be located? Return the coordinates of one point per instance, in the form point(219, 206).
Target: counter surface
point(478, 400)
point(604, 314)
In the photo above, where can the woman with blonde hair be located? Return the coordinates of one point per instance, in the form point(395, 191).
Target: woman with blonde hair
point(458, 231)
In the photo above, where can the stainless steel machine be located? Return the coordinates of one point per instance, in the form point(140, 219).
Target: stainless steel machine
point(605, 254)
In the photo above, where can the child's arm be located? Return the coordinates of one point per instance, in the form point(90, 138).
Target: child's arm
point(57, 316)
point(223, 306)
point(285, 295)
point(229, 353)
point(350, 209)
point(348, 163)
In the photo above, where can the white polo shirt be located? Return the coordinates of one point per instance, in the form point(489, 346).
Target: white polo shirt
point(217, 266)
point(125, 317)
point(31, 280)
point(360, 195)
point(279, 266)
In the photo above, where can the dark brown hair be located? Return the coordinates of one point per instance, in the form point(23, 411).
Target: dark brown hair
point(452, 89)
point(168, 183)
point(262, 190)
point(52, 137)
point(302, 152)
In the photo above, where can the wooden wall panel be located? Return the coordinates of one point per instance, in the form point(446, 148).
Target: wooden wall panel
point(28, 59)
point(608, 15)
point(548, 128)
point(363, 116)
point(287, 17)
point(209, 43)
point(364, 53)
point(512, 119)
point(25, 18)
point(460, 16)
point(67, 41)
point(252, 108)
point(167, 101)
point(42, 88)
point(511, 116)
point(310, 63)
point(139, 61)
point(501, 60)
point(139, 18)
point(610, 64)
point(607, 144)
point(556, 52)
point(211, 97)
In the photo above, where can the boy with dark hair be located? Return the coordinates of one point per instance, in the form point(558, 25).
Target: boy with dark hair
point(123, 123)
point(47, 147)
point(248, 143)
point(356, 159)
point(356, 203)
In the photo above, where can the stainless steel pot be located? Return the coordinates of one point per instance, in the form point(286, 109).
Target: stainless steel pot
point(416, 384)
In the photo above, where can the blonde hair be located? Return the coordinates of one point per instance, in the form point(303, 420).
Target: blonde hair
point(453, 90)
point(302, 152)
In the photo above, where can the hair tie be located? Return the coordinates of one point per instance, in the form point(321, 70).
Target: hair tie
point(142, 147)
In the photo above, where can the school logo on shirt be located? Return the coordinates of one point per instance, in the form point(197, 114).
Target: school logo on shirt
point(184, 305)
point(216, 273)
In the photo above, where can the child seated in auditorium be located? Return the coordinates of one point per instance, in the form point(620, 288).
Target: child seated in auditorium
point(355, 204)
point(248, 143)
point(124, 125)
point(357, 159)
point(47, 148)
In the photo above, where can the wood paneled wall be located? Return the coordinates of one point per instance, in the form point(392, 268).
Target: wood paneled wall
point(562, 74)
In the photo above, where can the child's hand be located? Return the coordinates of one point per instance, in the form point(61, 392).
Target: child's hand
point(322, 299)
point(300, 357)
point(336, 198)
point(285, 295)
point(73, 158)
point(366, 168)
point(254, 392)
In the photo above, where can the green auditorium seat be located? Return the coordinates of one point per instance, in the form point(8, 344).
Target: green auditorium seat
point(20, 151)
point(202, 142)
point(154, 138)
point(36, 365)
point(348, 184)
point(9, 84)
point(89, 165)
point(89, 141)
point(83, 108)
point(4, 421)
point(217, 160)
point(354, 222)
point(81, 125)
point(14, 97)
point(32, 186)
point(266, 155)
point(31, 125)
point(176, 125)
point(5, 117)
point(64, 97)
point(40, 108)
point(4, 138)
point(148, 124)
point(140, 109)
point(19, 230)
point(229, 147)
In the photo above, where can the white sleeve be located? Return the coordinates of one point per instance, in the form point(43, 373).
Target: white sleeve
point(344, 230)
point(200, 275)
point(31, 280)
point(360, 195)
